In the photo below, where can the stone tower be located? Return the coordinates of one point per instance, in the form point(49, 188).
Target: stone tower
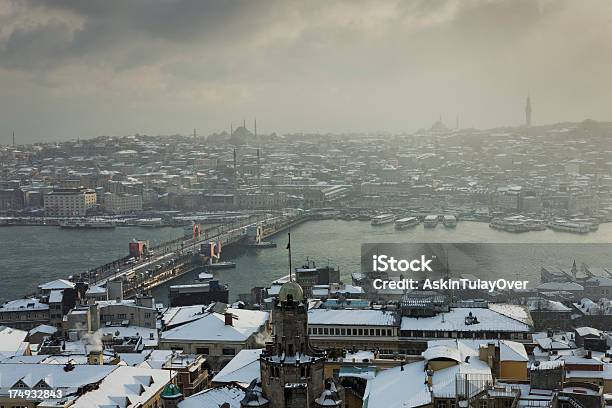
point(291, 370)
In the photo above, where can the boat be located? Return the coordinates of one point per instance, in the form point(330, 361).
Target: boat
point(449, 221)
point(430, 221)
point(150, 222)
point(567, 226)
point(84, 224)
point(205, 276)
point(508, 225)
point(262, 244)
point(407, 222)
point(591, 222)
point(221, 265)
point(382, 219)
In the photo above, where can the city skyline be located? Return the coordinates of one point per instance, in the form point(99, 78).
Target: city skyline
point(71, 70)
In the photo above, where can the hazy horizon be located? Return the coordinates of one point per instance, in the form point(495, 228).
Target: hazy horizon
point(80, 69)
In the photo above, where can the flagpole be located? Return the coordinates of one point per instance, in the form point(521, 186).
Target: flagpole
point(289, 248)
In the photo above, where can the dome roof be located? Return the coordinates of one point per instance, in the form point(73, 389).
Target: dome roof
point(293, 289)
point(171, 391)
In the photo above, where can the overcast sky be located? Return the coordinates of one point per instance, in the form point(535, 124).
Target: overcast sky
point(83, 68)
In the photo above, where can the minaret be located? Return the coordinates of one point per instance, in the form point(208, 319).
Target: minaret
point(528, 111)
point(258, 171)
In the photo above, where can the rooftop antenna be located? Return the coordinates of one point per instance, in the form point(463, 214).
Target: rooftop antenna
point(13, 138)
point(289, 254)
point(255, 127)
point(194, 133)
point(244, 123)
point(231, 129)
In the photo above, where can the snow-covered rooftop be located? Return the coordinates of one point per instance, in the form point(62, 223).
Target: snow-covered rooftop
point(215, 397)
point(212, 327)
point(58, 284)
point(24, 304)
point(353, 317)
point(11, 339)
point(125, 387)
point(242, 369)
point(454, 320)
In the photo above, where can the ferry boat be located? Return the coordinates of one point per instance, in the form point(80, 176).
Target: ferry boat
point(430, 221)
point(150, 222)
point(591, 222)
point(85, 224)
point(204, 277)
point(262, 244)
point(449, 221)
point(382, 219)
point(508, 225)
point(221, 265)
point(404, 223)
point(567, 226)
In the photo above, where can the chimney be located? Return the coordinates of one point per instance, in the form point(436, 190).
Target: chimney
point(228, 319)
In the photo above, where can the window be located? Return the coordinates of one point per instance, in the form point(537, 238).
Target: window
point(360, 331)
point(203, 350)
point(342, 332)
point(325, 330)
point(482, 404)
point(229, 351)
point(378, 332)
point(354, 332)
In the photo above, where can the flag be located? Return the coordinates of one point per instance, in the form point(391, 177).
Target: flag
point(289, 242)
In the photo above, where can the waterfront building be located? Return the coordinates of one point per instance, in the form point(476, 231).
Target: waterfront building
point(69, 202)
point(122, 203)
point(24, 314)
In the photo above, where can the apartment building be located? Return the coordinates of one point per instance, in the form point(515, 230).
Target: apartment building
point(69, 202)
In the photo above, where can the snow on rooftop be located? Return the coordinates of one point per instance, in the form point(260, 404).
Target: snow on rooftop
point(53, 375)
point(454, 320)
point(11, 339)
point(24, 304)
point(125, 387)
point(509, 350)
point(43, 328)
point(356, 317)
point(405, 388)
point(57, 284)
point(242, 369)
point(516, 312)
point(174, 316)
point(56, 296)
point(215, 397)
point(212, 327)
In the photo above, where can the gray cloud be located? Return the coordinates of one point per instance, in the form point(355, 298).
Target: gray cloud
point(166, 66)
